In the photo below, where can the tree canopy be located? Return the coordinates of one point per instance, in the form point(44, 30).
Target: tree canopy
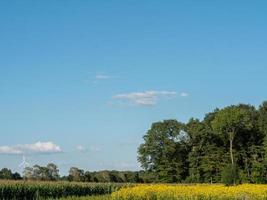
point(202, 150)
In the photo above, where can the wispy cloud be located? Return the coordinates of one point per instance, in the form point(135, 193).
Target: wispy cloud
point(92, 148)
point(147, 98)
point(102, 77)
point(184, 94)
point(81, 148)
point(38, 147)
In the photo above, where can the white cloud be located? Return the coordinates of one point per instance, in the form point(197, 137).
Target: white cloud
point(147, 98)
point(38, 147)
point(10, 150)
point(184, 94)
point(80, 148)
point(95, 148)
point(92, 148)
point(102, 77)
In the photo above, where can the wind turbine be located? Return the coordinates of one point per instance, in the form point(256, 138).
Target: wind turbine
point(24, 163)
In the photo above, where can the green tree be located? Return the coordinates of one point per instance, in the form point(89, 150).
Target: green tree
point(262, 122)
point(52, 172)
point(87, 176)
point(28, 173)
point(164, 151)
point(76, 174)
point(6, 174)
point(230, 121)
point(207, 151)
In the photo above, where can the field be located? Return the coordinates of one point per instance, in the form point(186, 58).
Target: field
point(102, 197)
point(34, 190)
point(192, 192)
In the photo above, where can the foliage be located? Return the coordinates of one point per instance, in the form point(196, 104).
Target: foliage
point(7, 174)
point(164, 151)
point(230, 121)
point(76, 174)
point(230, 175)
point(200, 151)
point(47, 173)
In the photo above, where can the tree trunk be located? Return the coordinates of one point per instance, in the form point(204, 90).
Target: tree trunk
point(232, 135)
point(231, 151)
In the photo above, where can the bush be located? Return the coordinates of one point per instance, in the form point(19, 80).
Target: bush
point(230, 175)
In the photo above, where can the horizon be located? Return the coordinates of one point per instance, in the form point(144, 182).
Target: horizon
point(82, 82)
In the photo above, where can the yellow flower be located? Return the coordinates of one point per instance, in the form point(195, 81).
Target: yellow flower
point(192, 192)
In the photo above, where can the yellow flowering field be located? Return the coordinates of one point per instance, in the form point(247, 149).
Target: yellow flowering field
point(192, 192)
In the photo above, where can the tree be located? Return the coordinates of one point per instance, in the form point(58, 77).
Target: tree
point(16, 176)
point(45, 173)
point(229, 121)
point(6, 174)
point(87, 176)
point(263, 118)
point(53, 172)
point(230, 175)
point(28, 173)
point(198, 141)
point(164, 151)
point(76, 174)
point(262, 122)
point(40, 173)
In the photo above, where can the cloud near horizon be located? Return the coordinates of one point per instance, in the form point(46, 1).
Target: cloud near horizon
point(184, 94)
point(102, 77)
point(35, 148)
point(147, 98)
point(92, 148)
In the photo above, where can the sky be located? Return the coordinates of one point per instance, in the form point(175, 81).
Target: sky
point(82, 81)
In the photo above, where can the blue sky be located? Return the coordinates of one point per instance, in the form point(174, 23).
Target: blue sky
point(82, 81)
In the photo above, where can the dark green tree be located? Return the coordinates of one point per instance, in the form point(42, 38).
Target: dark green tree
point(230, 121)
point(164, 151)
point(76, 174)
point(6, 174)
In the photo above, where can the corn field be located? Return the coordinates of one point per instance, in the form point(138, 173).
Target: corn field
point(34, 190)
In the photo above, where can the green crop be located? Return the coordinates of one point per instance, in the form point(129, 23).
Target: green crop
point(35, 190)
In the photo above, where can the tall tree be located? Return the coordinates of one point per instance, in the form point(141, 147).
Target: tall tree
point(6, 174)
point(207, 152)
point(230, 121)
point(164, 151)
point(53, 172)
point(76, 174)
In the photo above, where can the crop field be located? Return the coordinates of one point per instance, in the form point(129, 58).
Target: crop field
point(35, 190)
point(101, 197)
point(192, 192)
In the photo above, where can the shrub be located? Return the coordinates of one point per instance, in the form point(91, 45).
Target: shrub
point(230, 175)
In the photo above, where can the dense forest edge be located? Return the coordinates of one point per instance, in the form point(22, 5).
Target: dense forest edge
point(229, 145)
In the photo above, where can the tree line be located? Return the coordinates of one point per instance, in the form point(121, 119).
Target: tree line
point(228, 145)
point(51, 173)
